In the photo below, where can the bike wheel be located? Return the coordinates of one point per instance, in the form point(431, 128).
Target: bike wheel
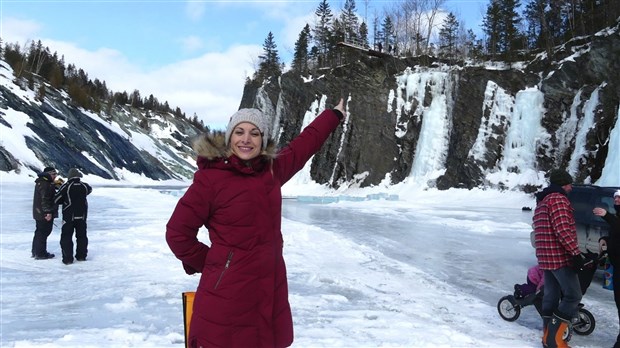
point(508, 309)
point(585, 323)
point(568, 334)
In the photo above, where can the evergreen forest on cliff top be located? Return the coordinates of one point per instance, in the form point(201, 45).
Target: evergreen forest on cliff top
point(512, 30)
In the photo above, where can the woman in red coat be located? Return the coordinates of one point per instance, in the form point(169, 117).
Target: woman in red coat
point(242, 296)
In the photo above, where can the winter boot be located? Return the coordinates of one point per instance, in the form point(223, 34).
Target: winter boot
point(555, 331)
point(518, 294)
point(546, 320)
point(44, 256)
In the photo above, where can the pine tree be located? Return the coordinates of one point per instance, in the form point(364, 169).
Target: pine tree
point(269, 65)
point(376, 32)
point(322, 33)
point(510, 19)
point(387, 34)
point(56, 76)
point(491, 25)
point(544, 23)
point(300, 56)
point(334, 56)
point(135, 99)
point(349, 22)
point(363, 34)
point(314, 58)
point(448, 35)
point(501, 25)
point(473, 47)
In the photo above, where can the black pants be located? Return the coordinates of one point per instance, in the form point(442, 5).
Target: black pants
point(616, 283)
point(66, 240)
point(39, 242)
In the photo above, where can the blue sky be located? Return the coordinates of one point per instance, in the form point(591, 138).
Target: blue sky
point(193, 54)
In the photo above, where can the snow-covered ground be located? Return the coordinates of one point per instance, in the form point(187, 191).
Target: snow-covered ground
point(425, 270)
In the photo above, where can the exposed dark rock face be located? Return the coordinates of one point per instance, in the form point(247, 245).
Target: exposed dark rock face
point(383, 131)
point(409, 119)
point(65, 136)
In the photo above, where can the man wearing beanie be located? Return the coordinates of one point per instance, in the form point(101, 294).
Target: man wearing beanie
point(242, 297)
point(72, 196)
point(43, 211)
point(558, 256)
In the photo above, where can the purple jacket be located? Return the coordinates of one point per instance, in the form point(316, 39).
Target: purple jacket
point(536, 276)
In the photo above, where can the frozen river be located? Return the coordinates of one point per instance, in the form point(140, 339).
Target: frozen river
point(409, 273)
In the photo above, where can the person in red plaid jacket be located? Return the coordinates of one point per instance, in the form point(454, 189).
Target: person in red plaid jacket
point(558, 256)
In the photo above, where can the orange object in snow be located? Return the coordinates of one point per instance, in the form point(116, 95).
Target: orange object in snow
point(188, 309)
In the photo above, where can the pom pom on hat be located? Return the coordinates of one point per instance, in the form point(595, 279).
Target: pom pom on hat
point(253, 116)
point(74, 173)
point(560, 177)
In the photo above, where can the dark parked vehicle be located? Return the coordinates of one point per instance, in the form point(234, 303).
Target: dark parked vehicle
point(584, 198)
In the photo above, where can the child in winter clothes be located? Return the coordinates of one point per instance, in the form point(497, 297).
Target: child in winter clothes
point(535, 282)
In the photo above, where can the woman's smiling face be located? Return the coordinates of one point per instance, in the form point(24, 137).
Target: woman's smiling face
point(246, 141)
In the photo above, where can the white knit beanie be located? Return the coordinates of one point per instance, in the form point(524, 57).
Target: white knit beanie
point(253, 116)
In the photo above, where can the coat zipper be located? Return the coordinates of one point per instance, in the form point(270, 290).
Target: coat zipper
point(230, 255)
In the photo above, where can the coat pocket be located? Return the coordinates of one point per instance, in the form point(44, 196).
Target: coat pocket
point(226, 265)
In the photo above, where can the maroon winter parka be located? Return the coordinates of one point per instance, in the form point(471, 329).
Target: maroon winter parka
point(242, 296)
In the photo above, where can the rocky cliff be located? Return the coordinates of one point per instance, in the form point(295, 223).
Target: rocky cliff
point(409, 120)
point(458, 126)
point(117, 142)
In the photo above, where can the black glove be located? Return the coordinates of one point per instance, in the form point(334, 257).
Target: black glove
point(580, 262)
point(602, 259)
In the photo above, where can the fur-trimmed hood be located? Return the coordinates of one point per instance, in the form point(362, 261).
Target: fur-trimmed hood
point(211, 146)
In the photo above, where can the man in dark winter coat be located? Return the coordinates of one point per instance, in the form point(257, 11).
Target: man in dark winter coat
point(43, 211)
point(558, 254)
point(613, 249)
point(72, 195)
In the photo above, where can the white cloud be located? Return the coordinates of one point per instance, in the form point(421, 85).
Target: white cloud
point(210, 85)
point(195, 10)
point(20, 30)
point(191, 43)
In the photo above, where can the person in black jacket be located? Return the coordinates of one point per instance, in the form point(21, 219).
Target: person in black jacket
point(613, 249)
point(72, 195)
point(43, 211)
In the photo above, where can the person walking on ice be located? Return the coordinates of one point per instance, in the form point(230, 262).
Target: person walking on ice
point(72, 196)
